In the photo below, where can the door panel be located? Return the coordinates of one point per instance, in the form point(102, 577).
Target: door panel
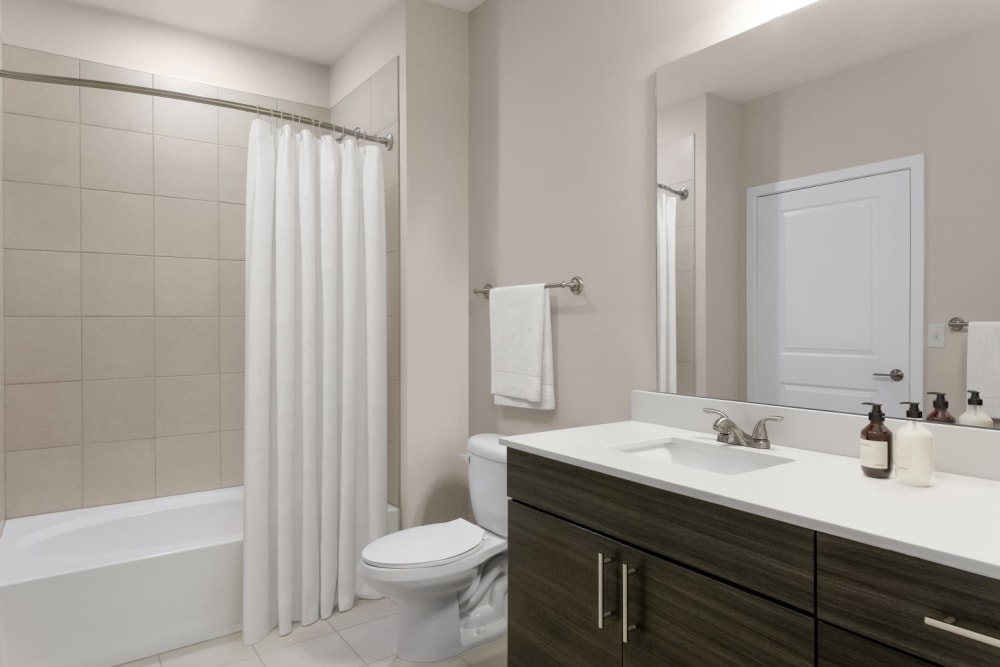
point(552, 597)
point(824, 321)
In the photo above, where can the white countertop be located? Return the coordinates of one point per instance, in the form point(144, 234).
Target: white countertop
point(954, 522)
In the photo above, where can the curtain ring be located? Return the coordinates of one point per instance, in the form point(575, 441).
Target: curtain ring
point(343, 134)
point(357, 135)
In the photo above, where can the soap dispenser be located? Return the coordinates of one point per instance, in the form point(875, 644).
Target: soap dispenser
point(975, 415)
point(940, 412)
point(876, 444)
point(914, 458)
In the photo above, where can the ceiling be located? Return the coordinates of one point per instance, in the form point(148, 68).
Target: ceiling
point(318, 31)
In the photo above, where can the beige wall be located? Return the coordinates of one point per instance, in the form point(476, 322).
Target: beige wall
point(374, 104)
point(434, 270)
point(124, 251)
point(939, 100)
point(563, 175)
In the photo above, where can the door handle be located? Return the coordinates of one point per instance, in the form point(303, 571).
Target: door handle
point(626, 628)
point(602, 560)
point(895, 375)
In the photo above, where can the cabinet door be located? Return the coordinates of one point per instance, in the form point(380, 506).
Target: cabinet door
point(837, 648)
point(553, 603)
point(684, 618)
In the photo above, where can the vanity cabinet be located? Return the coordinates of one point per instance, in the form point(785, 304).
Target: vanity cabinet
point(941, 614)
point(591, 556)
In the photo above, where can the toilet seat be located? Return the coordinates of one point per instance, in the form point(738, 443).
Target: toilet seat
point(425, 546)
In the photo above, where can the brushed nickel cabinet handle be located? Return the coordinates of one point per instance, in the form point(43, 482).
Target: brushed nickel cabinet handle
point(626, 628)
point(601, 614)
point(949, 625)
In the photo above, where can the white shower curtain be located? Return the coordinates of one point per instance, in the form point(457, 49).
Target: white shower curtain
point(315, 426)
point(666, 292)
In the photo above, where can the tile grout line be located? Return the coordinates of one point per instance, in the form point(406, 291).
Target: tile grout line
point(79, 193)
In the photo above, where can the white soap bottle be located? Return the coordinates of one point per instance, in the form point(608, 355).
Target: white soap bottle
point(914, 455)
point(975, 415)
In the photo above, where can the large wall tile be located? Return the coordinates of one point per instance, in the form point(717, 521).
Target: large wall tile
point(188, 169)
point(187, 227)
point(116, 160)
point(187, 287)
point(41, 349)
point(41, 282)
point(390, 159)
point(117, 472)
point(392, 283)
point(232, 458)
point(117, 222)
point(232, 337)
point(355, 110)
point(232, 231)
point(232, 174)
point(41, 217)
point(46, 100)
point(187, 463)
point(112, 108)
point(43, 415)
point(117, 285)
point(232, 281)
point(117, 347)
point(232, 401)
point(115, 410)
point(37, 150)
point(185, 120)
point(234, 126)
point(187, 345)
point(392, 219)
point(187, 404)
point(44, 480)
point(385, 95)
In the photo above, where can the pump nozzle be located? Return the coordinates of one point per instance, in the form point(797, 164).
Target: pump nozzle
point(913, 412)
point(974, 398)
point(939, 401)
point(876, 415)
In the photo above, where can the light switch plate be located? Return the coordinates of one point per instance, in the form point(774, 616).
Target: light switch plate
point(935, 335)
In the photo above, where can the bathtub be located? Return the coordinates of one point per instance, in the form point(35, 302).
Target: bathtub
point(100, 586)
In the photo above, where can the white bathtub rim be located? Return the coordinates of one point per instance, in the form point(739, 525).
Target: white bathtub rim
point(22, 533)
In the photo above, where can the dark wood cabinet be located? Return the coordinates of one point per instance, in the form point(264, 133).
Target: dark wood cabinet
point(563, 575)
point(839, 648)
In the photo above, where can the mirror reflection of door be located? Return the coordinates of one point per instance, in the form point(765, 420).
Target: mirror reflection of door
point(835, 288)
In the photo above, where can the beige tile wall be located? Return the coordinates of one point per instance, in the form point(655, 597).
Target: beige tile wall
point(375, 104)
point(123, 287)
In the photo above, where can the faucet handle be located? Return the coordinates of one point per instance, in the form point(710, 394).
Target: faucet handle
point(760, 430)
point(722, 415)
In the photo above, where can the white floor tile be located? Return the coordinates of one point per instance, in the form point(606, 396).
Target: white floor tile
point(327, 651)
point(214, 653)
point(361, 612)
point(249, 662)
point(493, 654)
point(398, 662)
point(145, 662)
point(373, 640)
point(298, 634)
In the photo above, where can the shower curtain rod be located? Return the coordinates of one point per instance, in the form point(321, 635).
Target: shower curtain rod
point(388, 140)
point(682, 193)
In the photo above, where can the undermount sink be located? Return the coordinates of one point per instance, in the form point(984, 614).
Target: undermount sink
point(717, 458)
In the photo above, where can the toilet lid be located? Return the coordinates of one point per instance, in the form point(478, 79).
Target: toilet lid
point(423, 546)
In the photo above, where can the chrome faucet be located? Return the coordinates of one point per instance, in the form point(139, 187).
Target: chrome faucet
point(732, 434)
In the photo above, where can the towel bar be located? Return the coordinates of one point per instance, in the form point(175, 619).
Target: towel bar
point(575, 285)
point(957, 323)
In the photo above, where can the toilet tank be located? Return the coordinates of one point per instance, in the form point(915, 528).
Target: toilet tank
point(488, 481)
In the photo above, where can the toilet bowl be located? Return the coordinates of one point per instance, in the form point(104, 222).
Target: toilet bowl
point(449, 580)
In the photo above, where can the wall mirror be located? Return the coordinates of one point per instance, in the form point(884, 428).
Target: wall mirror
point(834, 117)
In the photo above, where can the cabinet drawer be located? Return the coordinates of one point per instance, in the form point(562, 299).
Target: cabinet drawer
point(839, 648)
point(763, 555)
point(887, 596)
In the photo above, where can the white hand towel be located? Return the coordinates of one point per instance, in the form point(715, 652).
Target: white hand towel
point(983, 364)
point(521, 347)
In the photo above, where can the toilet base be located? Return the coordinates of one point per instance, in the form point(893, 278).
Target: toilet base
point(430, 630)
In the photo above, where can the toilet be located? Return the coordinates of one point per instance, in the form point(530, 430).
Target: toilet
point(449, 580)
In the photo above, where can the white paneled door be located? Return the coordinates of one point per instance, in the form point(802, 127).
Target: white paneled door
point(835, 289)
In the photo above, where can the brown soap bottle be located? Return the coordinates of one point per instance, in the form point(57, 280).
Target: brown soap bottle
point(876, 444)
point(940, 413)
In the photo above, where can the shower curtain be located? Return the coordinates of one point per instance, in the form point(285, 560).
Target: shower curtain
point(315, 426)
point(666, 292)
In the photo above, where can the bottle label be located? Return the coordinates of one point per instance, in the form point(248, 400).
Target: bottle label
point(875, 454)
